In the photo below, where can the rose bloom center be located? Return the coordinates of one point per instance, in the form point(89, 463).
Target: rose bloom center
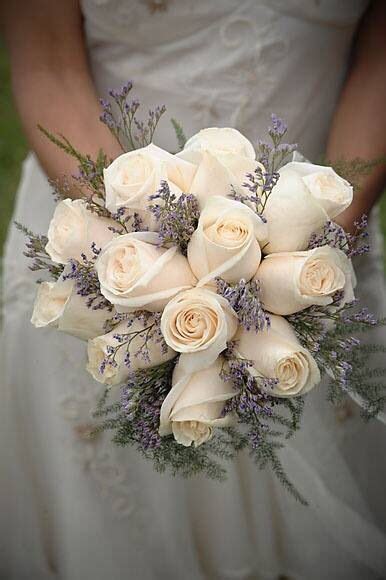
point(194, 325)
point(228, 232)
point(330, 186)
point(55, 306)
point(135, 171)
point(292, 372)
point(321, 278)
point(68, 229)
point(123, 268)
point(327, 181)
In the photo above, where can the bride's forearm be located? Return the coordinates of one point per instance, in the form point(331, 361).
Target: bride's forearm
point(52, 83)
point(359, 124)
point(64, 105)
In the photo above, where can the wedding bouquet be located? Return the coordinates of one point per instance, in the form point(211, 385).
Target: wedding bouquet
point(212, 287)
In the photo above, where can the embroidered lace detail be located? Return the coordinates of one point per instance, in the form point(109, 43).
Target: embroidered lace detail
point(156, 5)
point(98, 456)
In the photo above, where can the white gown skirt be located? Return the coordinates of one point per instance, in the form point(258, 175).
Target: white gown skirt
point(80, 509)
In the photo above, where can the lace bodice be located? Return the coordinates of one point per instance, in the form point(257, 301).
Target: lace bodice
point(228, 62)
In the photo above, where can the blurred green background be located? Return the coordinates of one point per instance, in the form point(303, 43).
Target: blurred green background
point(13, 149)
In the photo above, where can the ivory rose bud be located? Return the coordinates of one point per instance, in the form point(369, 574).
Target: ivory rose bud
point(73, 229)
point(194, 405)
point(277, 353)
point(221, 141)
point(292, 281)
point(117, 373)
point(198, 323)
point(135, 273)
point(57, 304)
point(133, 177)
point(223, 157)
point(304, 199)
point(331, 191)
point(226, 242)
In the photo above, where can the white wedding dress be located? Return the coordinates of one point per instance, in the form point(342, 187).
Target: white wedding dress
point(80, 509)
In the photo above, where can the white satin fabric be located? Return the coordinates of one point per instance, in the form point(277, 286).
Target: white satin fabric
point(77, 509)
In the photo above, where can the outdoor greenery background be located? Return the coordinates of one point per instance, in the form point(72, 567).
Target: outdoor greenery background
point(13, 149)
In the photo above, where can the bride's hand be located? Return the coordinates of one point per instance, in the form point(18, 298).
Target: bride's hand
point(52, 83)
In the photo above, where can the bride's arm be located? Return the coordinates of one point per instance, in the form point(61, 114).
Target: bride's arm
point(51, 80)
point(359, 125)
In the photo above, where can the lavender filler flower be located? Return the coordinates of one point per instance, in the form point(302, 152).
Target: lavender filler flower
point(127, 129)
point(86, 280)
point(271, 157)
point(244, 298)
point(177, 216)
point(334, 235)
point(147, 330)
point(36, 251)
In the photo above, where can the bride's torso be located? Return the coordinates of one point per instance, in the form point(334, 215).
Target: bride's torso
point(212, 63)
point(227, 62)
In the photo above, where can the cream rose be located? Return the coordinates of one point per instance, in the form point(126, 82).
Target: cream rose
point(73, 229)
point(194, 405)
point(115, 374)
point(226, 242)
point(133, 177)
point(277, 353)
point(331, 191)
point(57, 304)
point(198, 323)
point(304, 199)
point(223, 157)
point(292, 281)
point(135, 273)
point(221, 141)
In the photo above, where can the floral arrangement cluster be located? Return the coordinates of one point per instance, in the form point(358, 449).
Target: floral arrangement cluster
point(212, 287)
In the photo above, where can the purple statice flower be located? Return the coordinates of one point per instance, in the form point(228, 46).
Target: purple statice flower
point(144, 419)
point(258, 186)
point(254, 184)
point(331, 235)
point(135, 340)
point(252, 399)
point(107, 116)
point(272, 154)
point(342, 371)
point(362, 317)
point(36, 251)
point(141, 401)
point(334, 235)
point(122, 92)
point(177, 216)
point(355, 245)
point(89, 177)
point(137, 224)
point(127, 222)
point(86, 280)
point(244, 298)
point(120, 116)
point(146, 129)
point(278, 128)
point(325, 331)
